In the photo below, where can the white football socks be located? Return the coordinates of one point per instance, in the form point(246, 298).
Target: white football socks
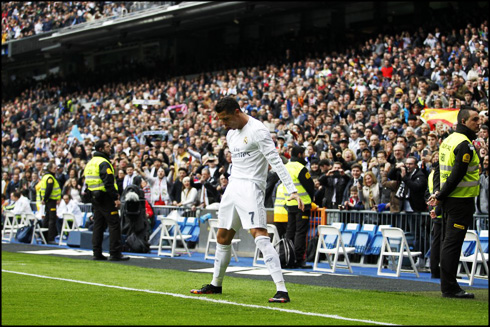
point(221, 262)
point(272, 261)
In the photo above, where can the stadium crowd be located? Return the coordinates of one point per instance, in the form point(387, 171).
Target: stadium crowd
point(22, 19)
point(357, 114)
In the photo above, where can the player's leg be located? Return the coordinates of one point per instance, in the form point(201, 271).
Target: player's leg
point(228, 223)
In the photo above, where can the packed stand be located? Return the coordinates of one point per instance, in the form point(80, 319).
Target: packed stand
point(23, 19)
point(357, 114)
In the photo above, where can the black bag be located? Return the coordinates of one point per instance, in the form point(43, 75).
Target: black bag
point(24, 234)
point(311, 250)
point(285, 249)
point(136, 244)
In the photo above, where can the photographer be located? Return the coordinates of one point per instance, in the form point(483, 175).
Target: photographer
point(335, 182)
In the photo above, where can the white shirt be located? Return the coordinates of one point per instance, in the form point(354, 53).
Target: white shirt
point(188, 197)
point(252, 149)
point(22, 206)
point(159, 188)
point(71, 207)
point(128, 180)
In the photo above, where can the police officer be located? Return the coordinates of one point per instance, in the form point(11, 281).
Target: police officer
point(100, 180)
point(50, 192)
point(298, 221)
point(458, 166)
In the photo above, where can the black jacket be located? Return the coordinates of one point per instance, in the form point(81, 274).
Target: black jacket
point(416, 182)
point(329, 184)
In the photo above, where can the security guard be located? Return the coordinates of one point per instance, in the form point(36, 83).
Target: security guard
point(280, 212)
point(458, 166)
point(100, 180)
point(298, 221)
point(50, 195)
point(436, 217)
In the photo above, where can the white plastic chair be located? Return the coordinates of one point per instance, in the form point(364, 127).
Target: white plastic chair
point(212, 238)
point(336, 251)
point(69, 224)
point(170, 231)
point(37, 234)
point(271, 229)
point(478, 257)
point(10, 226)
point(396, 235)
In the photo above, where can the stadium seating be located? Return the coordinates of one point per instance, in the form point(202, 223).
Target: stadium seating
point(363, 239)
point(212, 238)
point(271, 229)
point(349, 233)
point(337, 250)
point(374, 247)
point(170, 232)
point(395, 245)
point(483, 235)
point(476, 258)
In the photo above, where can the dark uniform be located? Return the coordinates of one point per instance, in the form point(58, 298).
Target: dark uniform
point(458, 165)
point(436, 230)
point(103, 206)
point(299, 221)
point(50, 194)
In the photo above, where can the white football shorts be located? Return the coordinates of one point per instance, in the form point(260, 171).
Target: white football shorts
point(242, 205)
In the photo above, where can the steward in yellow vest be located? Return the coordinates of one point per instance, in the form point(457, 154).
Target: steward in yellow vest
point(101, 182)
point(299, 221)
point(50, 193)
point(458, 165)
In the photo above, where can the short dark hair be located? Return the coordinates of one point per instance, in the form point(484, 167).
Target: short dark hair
point(356, 165)
point(464, 114)
point(100, 144)
point(228, 104)
point(297, 150)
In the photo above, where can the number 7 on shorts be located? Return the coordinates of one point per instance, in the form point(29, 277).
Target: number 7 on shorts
point(251, 213)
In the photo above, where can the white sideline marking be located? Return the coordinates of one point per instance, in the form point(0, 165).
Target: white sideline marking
point(196, 297)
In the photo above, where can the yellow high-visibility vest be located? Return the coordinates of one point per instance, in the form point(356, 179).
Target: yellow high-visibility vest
point(92, 174)
point(469, 186)
point(56, 192)
point(294, 168)
point(280, 212)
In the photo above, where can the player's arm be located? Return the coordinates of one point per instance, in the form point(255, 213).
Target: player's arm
point(270, 152)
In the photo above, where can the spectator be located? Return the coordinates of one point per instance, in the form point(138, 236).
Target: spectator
point(394, 203)
point(73, 189)
point(482, 198)
point(415, 184)
point(369, 191)
point(21, 203)
point(69, 205)
point(334, 182)
point(13, 185)
point(130, 174)
point(189, 194)
point(160, 187)
point(207, 192)
point(353, 202)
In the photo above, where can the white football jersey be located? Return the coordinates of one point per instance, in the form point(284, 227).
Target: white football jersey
point(252, 149)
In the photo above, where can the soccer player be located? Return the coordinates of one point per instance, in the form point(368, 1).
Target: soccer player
point(242, 204)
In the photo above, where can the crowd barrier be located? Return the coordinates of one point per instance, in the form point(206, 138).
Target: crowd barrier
point(417, 224)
